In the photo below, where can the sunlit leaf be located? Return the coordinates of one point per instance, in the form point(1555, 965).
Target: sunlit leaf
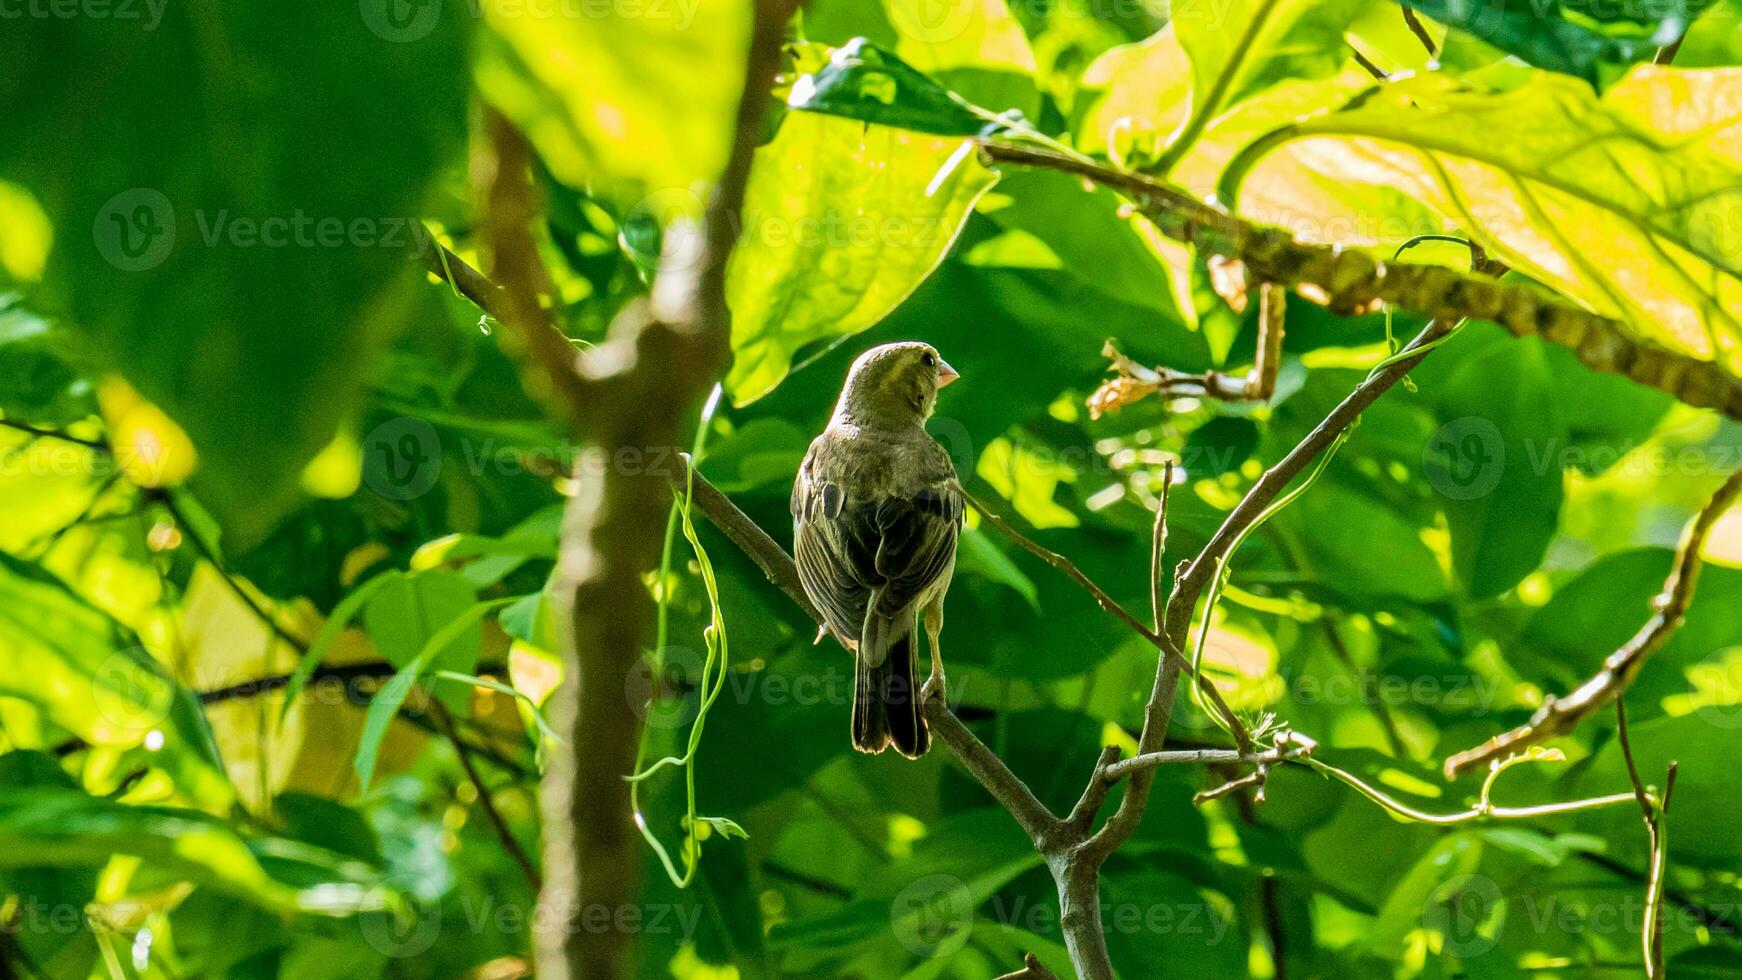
point(842, 221)
point(862, 81)
point(66, 828)
point(636, 104)
point(68, 658)
point(1625, 202)
point(1239, 49)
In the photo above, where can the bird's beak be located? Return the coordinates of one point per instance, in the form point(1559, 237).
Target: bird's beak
point(946, 374)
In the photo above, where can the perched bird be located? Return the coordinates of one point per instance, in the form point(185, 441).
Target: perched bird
point(876, 511)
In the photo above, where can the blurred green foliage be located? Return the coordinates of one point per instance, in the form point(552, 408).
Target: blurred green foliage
point(228, 403)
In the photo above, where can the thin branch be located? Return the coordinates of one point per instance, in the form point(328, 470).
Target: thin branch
point(1560, 715)
point(1158, 552)
point(983, 764)
point(453, 270)
point(737, 526)
point(1195, 576)
point(1419, 29)
point(1369, 67)
point(1654, 811)
point(1348, 281)
point(1032, 969)
point(1667, 53)
point(1293, 746)
point(1170, 650)
point(42, 433)
point(210, 554)
point(445, 722)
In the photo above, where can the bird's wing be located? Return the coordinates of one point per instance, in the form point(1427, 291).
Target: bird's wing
point(866, 562)
point(917, 543)
point(817, 506)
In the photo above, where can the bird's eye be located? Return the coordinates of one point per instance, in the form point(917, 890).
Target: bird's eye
point(928, 359)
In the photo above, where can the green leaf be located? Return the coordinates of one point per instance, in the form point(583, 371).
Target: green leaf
point(1500, 495)
point(1347, 530)
point(1436, 879)
point(335, 625)
point(39, 381)
point(205, 247)
point(864, 82)
point(53, 644)
point(1571, 38)
point(972, 47)
point(408, 611)
point(979, 556)
point(842, 221)
point(635, 104)
point(1626, 203)
point(1240, 49)
point(58, 827)
point(391, 697)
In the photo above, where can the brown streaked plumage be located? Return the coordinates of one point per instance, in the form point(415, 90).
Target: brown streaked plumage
point(876, 513)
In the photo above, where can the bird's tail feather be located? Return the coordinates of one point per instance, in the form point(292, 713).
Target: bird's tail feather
point(886, 703)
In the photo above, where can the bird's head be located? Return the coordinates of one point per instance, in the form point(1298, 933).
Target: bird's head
point(894, 385)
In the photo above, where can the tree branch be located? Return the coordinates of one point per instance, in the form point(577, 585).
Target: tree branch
point(1073, 855)
point(1032, 969)
point(1349, 281)
point(635, 391)
point(1557, 716)
point(1170, 650)
point(1270, 756)
point(1195, 576)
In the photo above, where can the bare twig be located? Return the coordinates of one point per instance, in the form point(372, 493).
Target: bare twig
point(1369, 67)
point(1289, 745)
point(1170, 650)
point(1557, 716)
point(1133, 381)
point(1032, 969)
point(1158, 552)
point(54, 434)
point(1419, 29)
point(451, 269)
point(1654, 812)
point(1349, 281)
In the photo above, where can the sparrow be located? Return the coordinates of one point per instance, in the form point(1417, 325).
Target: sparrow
point(876, 511)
